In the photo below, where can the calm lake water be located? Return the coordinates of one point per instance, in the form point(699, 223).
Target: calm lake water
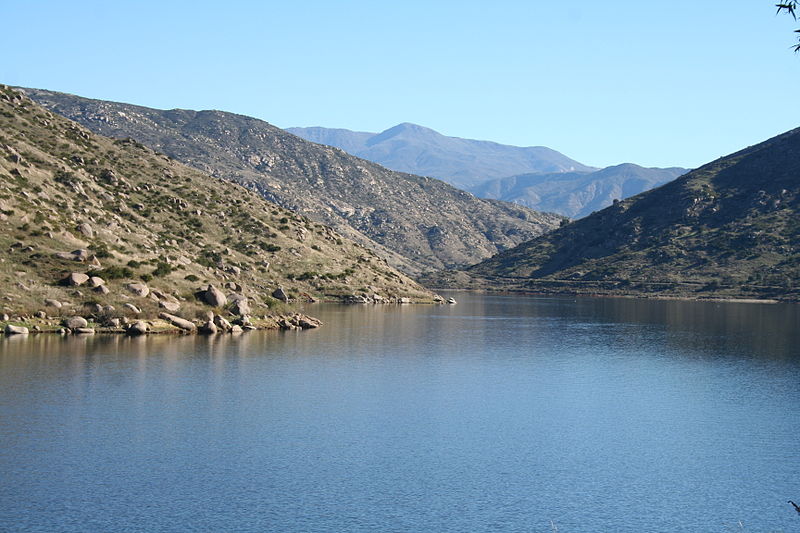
point(508, 414)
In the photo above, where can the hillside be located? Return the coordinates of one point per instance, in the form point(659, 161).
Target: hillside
point(728, 229)
point(576, 194)
point(418, 224)
point(73, 202)
point(464, 163)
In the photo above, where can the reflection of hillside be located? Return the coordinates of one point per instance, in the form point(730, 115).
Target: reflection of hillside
point(741, 328)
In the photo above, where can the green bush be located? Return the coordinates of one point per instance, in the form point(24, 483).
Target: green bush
point(112, 272)
point(162, 269)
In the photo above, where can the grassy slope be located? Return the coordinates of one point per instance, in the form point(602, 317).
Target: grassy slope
point(168, 220)
point(418, 224)
point(728, 229)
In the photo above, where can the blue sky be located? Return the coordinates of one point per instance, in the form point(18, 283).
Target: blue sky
point(674, 83)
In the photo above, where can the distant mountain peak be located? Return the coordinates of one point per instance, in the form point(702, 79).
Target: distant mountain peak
point(465, 163)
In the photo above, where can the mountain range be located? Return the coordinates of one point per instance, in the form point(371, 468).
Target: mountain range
point(417, 223)
point(463, 163)
point(730, 228)
point(576, 194)
point(535, 177)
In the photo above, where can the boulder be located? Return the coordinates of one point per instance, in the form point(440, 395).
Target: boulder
point(75, 279)
point(83, 331)
point(49, 302)
point(132, 308)
point(451, 301)
point(74, 322)
point(93, 308)
point(178, 322)
point(138, 289)
point(96, 281)
point(80, 254)
point(241, 307)
point(208, 327)
point(86, 230)
point(221, 323)
point(280, 294)
point(159, 295)
point(101, 289)
point(169, 306)
point(40, 314)
point(307, 322)
point(236, 328)
point(15, 330)
point(4, 317)
point(214, 297)
point(139, 327)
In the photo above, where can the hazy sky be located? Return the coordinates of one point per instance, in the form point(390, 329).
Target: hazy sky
point(675, 83)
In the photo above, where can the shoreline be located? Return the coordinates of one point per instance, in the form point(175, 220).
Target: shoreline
point(527, 292)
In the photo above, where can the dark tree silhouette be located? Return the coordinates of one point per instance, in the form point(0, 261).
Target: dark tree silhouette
point(791, 8)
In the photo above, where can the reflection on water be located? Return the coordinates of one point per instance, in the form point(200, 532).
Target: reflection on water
point(499, 413)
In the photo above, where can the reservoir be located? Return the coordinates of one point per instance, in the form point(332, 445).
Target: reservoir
point(500, 413)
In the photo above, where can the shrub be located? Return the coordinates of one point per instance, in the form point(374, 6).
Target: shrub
point(112, 272)
point(162, 269)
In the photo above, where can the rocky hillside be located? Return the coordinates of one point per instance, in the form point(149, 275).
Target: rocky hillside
point(94, 221)
point(730, 228)
point(576, 194)
point(464, 163)
point(418, 224)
